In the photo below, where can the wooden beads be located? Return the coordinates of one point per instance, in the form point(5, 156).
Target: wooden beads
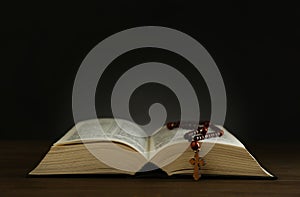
point(195, 145)
point(188, 125)
point(198, 137)
point(199, 131)
point(173, 125)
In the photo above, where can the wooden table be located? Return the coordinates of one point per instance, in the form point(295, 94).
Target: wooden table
point(19, 157)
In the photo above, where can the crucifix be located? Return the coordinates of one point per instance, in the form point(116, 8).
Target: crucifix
point(197, 162)
point(195, 136)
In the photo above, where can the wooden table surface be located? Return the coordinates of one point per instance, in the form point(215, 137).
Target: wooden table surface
point(19, 157)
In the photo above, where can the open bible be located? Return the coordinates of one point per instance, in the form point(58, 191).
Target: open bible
point(121, 147)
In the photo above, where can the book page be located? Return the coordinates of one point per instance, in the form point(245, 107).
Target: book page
point(165, 136)
point(124, 131)
point(227, 138)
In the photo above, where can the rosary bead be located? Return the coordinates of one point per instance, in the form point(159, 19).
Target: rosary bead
point(195, 145)
point(206, 124)
point(188, 125)
point(198, 137)
point(172, 125)
point(202, 130)
point(221, 133)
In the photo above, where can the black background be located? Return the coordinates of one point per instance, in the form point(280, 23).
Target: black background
point(256, 47)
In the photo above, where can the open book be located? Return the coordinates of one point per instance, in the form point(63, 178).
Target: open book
point(121, 147)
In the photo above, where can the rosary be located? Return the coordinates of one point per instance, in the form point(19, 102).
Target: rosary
point(194, 137)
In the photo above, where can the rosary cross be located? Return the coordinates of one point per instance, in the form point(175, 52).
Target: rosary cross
point(194, 136)
point(197, 162)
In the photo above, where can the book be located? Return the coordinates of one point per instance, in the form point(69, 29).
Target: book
point(123, 148)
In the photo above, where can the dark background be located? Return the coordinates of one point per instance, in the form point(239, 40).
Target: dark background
point(256, 47)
